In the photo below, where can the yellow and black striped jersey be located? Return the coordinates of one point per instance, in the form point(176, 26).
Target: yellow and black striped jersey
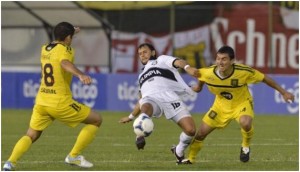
point(55, 81)
point(232, 90)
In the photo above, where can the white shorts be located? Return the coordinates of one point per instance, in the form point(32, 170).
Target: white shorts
point(168, 103)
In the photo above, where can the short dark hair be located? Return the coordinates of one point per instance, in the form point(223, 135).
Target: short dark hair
point(228, 50)
point(150, 46)
point(62, 30)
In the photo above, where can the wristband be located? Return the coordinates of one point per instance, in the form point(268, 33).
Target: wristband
point(186, 66)
point(131, 116)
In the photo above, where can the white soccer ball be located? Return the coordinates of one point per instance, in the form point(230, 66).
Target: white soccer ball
point(143, 125)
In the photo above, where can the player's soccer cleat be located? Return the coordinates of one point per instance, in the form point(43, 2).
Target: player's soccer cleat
point(178, 158)
point(245, 154)
point(8, 166)
point(79, 161)
point(185, 161)
point(140, 142)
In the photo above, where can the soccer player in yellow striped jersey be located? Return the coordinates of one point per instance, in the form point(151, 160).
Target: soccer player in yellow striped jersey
point(54, 100)
point(229, 83)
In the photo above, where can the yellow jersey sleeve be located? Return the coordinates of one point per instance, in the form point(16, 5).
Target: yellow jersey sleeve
point(65, 53)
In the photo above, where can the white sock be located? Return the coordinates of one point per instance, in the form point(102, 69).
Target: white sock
point(246, 150)
point(184, 141)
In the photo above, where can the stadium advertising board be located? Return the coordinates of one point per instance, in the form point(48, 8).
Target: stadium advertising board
point(19, 90)
point(119, 92)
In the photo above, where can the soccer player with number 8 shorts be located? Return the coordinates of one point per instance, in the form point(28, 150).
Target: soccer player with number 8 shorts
point(54, 100)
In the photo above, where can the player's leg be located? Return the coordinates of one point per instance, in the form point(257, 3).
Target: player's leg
point(148, 106)
point(246, 129)
point(21, 147)
point(79, 113)
point(247, 132)
point(73, 113)
point(211, 120)
point(39, 121)
point(197, 143)
point(87, 133)
point(244, 118)
point(185, 121)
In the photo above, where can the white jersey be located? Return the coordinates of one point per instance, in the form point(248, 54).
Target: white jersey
point(160, 75)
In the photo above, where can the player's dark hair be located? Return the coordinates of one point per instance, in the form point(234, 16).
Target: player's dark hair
point(228, 50)
point(62, 30)
point(150, 46)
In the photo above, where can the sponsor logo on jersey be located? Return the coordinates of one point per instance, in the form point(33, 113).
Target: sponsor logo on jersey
point(226, 95)
point(152, 72)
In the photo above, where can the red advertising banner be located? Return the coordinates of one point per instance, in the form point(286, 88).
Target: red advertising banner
point(192, 45)
point(259, 36)
point(264, 36)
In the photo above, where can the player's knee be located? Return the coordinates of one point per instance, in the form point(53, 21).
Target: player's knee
point(33, 134)
point(246, 126)
point(147, 108)
point(201, 135)
point(98, 120)
point(188, 126)
point(94, 119)
point(191, 131)
point(246, 123)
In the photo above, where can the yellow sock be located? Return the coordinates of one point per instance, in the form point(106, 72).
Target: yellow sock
point(20, 148)
point(85, 137)
point(195, 147)
point(247, 136)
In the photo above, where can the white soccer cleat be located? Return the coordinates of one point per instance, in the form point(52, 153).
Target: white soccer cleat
point(79, 161)
point(8, 166)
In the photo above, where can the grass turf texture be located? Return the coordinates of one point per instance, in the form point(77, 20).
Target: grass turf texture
point(275, 146)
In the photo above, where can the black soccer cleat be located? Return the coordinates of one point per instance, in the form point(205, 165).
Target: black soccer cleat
point(178, 158)
point(244, 156)
point(185, 162)
point(140, 142)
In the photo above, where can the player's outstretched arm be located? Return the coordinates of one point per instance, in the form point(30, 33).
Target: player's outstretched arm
point(136, 111)
point(287, 96)
point(70, 67)
point(189, 70)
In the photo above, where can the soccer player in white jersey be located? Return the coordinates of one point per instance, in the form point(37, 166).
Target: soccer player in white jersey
point(161, 89)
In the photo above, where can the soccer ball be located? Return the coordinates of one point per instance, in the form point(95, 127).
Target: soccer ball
point(143, 125)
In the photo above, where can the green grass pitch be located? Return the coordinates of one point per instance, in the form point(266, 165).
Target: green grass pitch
point(275, 146)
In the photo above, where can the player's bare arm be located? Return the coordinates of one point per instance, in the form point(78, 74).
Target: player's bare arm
point(136, 111)
point(184, 65)
point(287, 96)
point(70, 67)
